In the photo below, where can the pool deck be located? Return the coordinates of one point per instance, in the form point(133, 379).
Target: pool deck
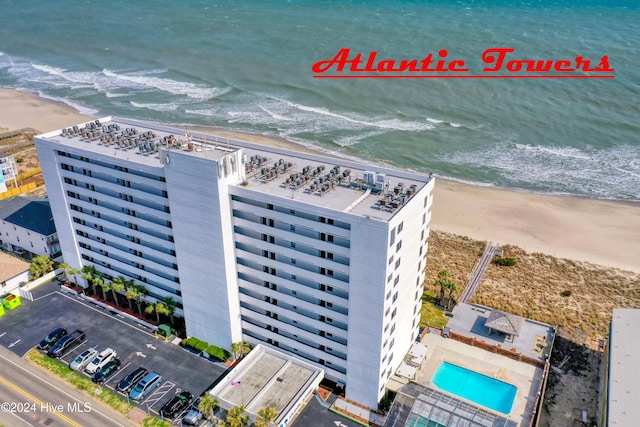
point(533, 340)
point(525, 377)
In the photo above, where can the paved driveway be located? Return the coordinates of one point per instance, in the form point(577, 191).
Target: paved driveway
point(24, 327)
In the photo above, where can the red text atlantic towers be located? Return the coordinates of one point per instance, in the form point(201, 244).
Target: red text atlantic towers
point(500, 63)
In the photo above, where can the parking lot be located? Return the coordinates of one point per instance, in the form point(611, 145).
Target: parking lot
point(23, 328)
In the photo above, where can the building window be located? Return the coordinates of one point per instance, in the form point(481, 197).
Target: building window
point(397, 263)
point(390, 259)
point(400, 227)
point(292, 227)
point(392, 239)
point(399, 245)
point(395, 282)
point(424, 218)
point(270, 206)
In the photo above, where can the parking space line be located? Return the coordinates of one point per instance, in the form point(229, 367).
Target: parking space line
point(72, 350)
point(119, 370)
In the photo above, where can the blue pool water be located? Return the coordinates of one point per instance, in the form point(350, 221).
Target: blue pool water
point(481, 389)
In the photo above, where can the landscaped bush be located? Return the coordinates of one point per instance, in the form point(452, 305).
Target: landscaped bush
point(217, 352)
point(504, 261)
point(201, 346)
point(195, 344)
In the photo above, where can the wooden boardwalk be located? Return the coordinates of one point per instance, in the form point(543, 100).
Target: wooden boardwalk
point(478, 271)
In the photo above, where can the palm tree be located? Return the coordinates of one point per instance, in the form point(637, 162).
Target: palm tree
point(72, 271)
point(118, 285)
point(171, 305)
point(239, 349)
point(237, 417)
point(131, 294)
point(208, 405)
point(89, 274)
point(266, 416)
point(98, 280)
point(157, 307)
point(106, 287)
point(140, 291)
point(65, 268)
point(444, 278)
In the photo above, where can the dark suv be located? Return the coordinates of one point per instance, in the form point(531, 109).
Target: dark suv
point(177, 404)
point(66, 343)
point(106, 371)
point(131, 380)
point(52, 338)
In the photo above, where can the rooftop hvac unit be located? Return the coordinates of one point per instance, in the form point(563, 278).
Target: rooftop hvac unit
point(369, 178)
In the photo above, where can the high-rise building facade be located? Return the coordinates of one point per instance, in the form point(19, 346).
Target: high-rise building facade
point(320, 257)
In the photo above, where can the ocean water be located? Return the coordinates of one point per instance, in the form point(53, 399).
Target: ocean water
point(247, 66)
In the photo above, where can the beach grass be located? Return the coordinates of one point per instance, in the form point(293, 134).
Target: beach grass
point(537, 286)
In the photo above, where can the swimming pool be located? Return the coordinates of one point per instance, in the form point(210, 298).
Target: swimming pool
point(481, 389)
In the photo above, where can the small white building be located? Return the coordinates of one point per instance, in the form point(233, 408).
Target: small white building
point(27, 227)
point(269, 378)
point(13, 273)
point(318, 257)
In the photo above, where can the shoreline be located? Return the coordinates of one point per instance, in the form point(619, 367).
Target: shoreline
point(603, 232)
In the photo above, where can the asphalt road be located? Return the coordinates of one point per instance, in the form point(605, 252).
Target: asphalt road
point(28, 398)
point(23, 328)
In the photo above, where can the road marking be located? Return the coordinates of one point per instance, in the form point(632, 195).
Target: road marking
point(44, 296)
point(151, 346)
point(3, 334)
point(26, 371)
point(139, 353)
point(22, 419)
point(40, 402)
point(13, 344)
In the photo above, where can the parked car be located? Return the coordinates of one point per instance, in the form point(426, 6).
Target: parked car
point(131, 380)
point(145, 386)
point(83, 358)
point(52, 338)
point(106, 371)
point(100, 360)
point(177, 404)
point(66, 343)
point(193, 416)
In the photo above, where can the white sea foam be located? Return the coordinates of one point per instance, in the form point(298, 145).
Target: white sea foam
point(82, 109)
point(156, 107)
point(455, 125)
point(209, 112)
point(434, 121)
point(347, 141)
point(191, 90)
point(606, 173)
point(556, 151)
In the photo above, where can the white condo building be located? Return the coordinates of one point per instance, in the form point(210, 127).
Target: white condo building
point(318, 257)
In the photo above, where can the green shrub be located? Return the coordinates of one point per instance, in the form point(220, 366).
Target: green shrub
point(504, 261)
point(201, 346)
point(19, 160)
point(566, 293)
point(218, 353)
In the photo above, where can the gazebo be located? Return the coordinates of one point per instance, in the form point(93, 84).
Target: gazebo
point(506, 323)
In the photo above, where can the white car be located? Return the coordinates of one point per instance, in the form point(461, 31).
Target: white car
point(100, 360)
point(83, 358)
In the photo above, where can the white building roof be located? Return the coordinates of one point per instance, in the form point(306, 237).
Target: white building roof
point(624, 375)
point(266, 377)
point(370, 191)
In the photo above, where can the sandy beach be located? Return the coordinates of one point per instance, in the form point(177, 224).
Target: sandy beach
point(597, 231)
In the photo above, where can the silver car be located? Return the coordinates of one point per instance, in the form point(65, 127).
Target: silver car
point(83, 358)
